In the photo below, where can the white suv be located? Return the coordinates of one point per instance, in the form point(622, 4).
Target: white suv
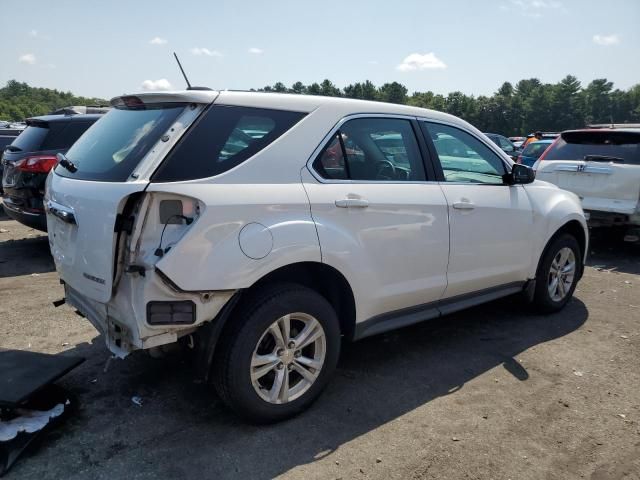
point(261, 228)
point(601, 166)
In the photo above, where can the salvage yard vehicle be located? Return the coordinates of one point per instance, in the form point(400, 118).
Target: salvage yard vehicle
point(28, 159)
point(533, 151)
point(260, 228)
point(601, 166)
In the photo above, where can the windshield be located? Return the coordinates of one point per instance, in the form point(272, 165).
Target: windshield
point(112, 148)
point(609, 144)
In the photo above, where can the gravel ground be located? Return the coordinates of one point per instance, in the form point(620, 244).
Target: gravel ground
point(490, 393)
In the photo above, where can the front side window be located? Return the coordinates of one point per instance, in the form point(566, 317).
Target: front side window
point(225, 136)
point(463, 157)
point(372, 149)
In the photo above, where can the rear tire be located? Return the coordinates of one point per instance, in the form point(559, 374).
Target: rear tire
point(558, 273)
point(259, 370)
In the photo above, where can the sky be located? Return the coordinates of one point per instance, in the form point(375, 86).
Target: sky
point(108, 48)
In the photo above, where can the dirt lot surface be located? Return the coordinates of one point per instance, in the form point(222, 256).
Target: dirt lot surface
point(490, 393)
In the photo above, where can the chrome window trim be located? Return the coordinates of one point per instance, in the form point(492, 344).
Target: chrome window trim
point(353, 116)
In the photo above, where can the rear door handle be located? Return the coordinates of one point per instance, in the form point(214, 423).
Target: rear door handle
point(464, 205)
point(352, 203)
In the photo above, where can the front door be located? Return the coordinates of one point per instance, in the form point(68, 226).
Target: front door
point(379, 221)
point(490, 221)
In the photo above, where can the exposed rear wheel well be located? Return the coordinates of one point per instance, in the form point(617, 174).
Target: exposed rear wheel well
point(325, 280)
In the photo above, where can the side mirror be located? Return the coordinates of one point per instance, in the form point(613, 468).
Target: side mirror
point(521, 174)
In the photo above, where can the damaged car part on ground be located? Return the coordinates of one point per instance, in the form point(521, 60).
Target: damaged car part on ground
point(29, 401)
point(265, 227)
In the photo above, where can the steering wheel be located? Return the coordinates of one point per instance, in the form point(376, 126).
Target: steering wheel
point(385, 166)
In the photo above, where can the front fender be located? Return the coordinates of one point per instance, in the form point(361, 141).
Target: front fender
point(553, 208)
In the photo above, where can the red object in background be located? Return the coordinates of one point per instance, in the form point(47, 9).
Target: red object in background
point(37, 164)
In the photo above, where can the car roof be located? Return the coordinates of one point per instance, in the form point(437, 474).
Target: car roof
point(288, 101)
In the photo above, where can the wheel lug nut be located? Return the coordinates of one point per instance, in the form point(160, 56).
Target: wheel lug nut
point(280, 366)
point(291, 344)
point(290, 366)
point(297, 353)
point(280, 352)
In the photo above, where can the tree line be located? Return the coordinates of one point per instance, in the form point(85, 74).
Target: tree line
point(527, 106)
point(18, 101)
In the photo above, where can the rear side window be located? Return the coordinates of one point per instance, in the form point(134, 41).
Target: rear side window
point(111, 149)
point(604, 146)
point(225, 136)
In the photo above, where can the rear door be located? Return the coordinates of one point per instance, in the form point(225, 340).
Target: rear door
point(378, 218)
point(110, 162)
point(602, 167)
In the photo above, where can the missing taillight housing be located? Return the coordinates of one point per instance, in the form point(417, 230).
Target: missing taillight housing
point(171, 313)
point(37, 164)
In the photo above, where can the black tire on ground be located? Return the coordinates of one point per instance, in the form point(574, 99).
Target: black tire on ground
point(250, 319)
point(542, 299)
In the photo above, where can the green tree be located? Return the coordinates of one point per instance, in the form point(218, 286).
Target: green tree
point(393, 92)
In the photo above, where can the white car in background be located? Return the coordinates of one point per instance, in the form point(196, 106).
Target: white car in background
point(261, 228)
point(602, 167)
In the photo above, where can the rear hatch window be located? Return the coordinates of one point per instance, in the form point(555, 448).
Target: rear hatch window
point(598, 146)
point(31, 139)
point(112, 148)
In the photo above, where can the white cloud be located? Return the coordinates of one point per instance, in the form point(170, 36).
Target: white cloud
point(205, 51)
point(373, 62)
point(532, 8)
point(33, 33)
point(256, 51)
point(28, 58)
point(158, 41)
point(418, 61)
point(606, 40)
point(156, 85)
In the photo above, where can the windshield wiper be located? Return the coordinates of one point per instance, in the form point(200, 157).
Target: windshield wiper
point(602, 158)
point(63, 161)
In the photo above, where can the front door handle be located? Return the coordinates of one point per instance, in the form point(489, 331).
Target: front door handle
point(352, 203)
point(464, 205)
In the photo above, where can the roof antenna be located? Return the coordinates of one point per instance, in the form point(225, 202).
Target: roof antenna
point(182, 70)
point(189, 87)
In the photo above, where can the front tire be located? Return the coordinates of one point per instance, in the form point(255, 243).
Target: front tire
point(558, 273)
point(278, 354)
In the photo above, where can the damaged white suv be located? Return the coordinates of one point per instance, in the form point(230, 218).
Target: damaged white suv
point(261, 228)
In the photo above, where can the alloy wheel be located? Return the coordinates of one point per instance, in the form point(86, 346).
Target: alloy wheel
point(561, 274)
point(288, 358)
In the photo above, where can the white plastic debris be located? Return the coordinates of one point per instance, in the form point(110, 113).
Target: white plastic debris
point(137, 400)
point(29, 421)
point(578, 373)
